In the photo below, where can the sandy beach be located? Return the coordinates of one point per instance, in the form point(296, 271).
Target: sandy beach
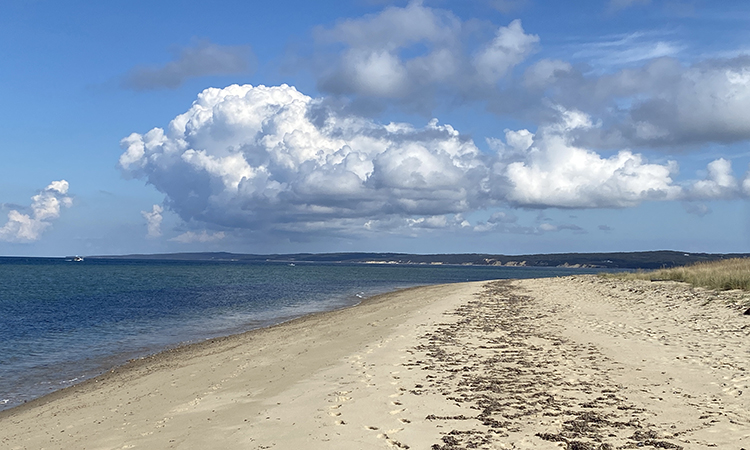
point(577, 362)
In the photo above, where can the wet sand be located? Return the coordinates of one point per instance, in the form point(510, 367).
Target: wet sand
point(576, 362)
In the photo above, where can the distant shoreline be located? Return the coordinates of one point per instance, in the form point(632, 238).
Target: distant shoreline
point(604, 260)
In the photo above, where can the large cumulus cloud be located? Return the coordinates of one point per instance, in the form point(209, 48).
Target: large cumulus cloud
point(549, 170)
point(272, 157)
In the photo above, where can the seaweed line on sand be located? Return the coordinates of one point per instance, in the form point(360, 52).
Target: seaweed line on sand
point(502, 362)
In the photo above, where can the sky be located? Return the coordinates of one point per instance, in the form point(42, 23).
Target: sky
point(443, 126)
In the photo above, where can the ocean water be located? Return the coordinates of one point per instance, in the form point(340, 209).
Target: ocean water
point(62, 322)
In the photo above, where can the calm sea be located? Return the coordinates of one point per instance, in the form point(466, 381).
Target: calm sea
point(62, 322)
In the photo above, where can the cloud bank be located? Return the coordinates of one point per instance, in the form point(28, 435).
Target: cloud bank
point(44, 208)
point(661, 104)
point(273, 160)
point(412, 55)
point(419, 58)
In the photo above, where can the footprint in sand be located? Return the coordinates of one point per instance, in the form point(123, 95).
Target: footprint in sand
point(341, 396)
point(392, 442)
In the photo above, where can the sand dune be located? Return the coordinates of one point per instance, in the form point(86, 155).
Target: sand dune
point(577, 362)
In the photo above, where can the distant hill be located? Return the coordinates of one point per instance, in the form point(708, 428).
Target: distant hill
point(621, 260)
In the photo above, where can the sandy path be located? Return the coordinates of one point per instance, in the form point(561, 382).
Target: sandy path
point(579, 363)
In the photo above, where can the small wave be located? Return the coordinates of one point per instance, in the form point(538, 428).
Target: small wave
point(72, 380)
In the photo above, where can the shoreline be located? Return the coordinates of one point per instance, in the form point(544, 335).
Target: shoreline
point(66, 362)
point(123, 362)
point(175, 351)
point(577, 362)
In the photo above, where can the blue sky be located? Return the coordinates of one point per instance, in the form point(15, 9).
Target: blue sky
point(498, 126)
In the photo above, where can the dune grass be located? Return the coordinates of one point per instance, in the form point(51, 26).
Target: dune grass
point(721, 275)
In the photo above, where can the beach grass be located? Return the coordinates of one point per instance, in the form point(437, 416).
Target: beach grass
point(723, 275)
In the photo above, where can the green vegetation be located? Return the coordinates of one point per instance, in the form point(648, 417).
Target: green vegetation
point(721, 275)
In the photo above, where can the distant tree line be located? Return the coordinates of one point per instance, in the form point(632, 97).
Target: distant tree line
point(619, 260)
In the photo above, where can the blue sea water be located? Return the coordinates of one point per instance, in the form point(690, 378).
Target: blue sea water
point(62, 322)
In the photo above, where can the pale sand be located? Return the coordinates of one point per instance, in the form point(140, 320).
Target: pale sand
point(578, 362)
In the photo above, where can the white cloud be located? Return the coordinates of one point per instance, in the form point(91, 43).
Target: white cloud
point(371, 64)
point(706, 102)
point(204, 236)
point(413, 226)
point(502, 222)
point(394, 27)
point(662, 103)
point(418, 58)
point(548, 227)
point(516, 143)
point(413, 53)
point(720, 182)
point(625, 50)
point(439, 222)
point(376, 73)
point(45, 206)
point(519, 140)
point(271, 158)
point(153, 221)
point(203, 59)
point(503, 217)
point(510, 47)
point(698, 209)
point(545, 72)
point(746, 184)
point(557, 173)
